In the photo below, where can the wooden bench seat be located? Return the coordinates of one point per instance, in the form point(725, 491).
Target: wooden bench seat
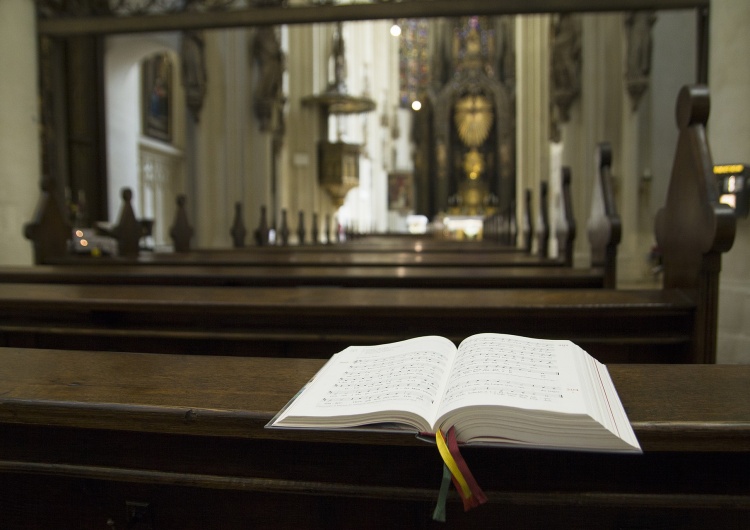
point(486, 277)
point(329, 259)
point(620, 325)
point(375, 260)
point(423, 243)
point(85, 435)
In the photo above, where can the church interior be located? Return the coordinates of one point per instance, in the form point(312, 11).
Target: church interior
point(222, 187)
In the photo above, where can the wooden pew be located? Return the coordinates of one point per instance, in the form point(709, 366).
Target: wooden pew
point(50, 229)
point(128, 232)
point(604, 226)
point(349, 258)
point(335, 265)
point(88, 440)
point(613, 325)
point(385, 260)
point(412, 277)
point(380, 260)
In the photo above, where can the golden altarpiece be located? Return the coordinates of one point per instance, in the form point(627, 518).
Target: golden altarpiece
point(464, 135)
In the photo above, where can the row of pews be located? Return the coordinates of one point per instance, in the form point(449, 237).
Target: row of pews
point(49, 234)
point(375, 261)
point(312, 301)
point(134, 394)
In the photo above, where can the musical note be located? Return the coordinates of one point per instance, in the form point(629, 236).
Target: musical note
point(412, 377)
point(504, 366)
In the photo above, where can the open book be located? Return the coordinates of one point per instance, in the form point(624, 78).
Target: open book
point(494, 389)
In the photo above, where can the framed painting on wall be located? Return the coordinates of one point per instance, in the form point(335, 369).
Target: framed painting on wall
point(401, 191)
point(156, 75)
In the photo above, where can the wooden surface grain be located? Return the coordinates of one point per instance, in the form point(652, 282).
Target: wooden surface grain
point(483, 277)
point(315, 298)
point(614, 325)
point(671, 407)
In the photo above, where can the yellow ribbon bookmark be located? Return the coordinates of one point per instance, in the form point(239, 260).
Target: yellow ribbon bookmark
point(458, 477)
point(468, 489)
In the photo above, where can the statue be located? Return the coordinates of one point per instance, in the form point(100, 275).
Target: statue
point(638, 61)
point(338, 62)
point(266, 50)
point(194, 77)
point(566, 63)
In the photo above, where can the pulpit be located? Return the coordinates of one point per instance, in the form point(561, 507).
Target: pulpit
point(338, 162)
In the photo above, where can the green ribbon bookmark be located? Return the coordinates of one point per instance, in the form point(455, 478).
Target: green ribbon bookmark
point(439, 513)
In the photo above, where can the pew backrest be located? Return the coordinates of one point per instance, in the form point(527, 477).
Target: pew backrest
point(604, 226)
point(50, 230)
point(694, 229)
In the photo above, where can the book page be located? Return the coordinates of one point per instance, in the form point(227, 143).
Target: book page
point(364, 381)
point(494, 369)
point(616, 420)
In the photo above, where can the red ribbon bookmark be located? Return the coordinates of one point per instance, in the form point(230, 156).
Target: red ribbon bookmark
point(468, 489)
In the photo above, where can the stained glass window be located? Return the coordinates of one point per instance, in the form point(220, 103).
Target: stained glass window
point(414, 66)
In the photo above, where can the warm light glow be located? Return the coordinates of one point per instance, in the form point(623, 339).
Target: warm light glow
point(469, 226)
point(728, 168)
point(732, 184)
point(83, 243)
point(79, 233)
point(417, 224)
point(729, 199)
point(416, 105)
point(473, 229)
point(395, 30)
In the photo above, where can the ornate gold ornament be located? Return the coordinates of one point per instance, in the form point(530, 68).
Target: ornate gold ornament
point(473, 164)
point(473, 117)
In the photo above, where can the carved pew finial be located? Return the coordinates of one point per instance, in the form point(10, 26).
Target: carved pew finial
point(181, 232)
point(128, 231)
point(238, 231)
point(542, 231)
point(527, 223)
point(284, 229)
point(50, 229)
point(328, 229)
point(261, 233)
point(570, 219)
point(301, 228)
point(510, 225)
point(315, 229)
point(604, 227)
point(693, 229)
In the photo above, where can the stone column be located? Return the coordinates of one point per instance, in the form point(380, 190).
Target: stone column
point(20, 158)
point(600, 115)
point(532, 110)
point(728, 134)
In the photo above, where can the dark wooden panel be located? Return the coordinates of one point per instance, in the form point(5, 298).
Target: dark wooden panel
point(343, 12)
point(614, 325)
point(672, 407)
point(343, 276)
point(331, 259)
point(84, 433)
